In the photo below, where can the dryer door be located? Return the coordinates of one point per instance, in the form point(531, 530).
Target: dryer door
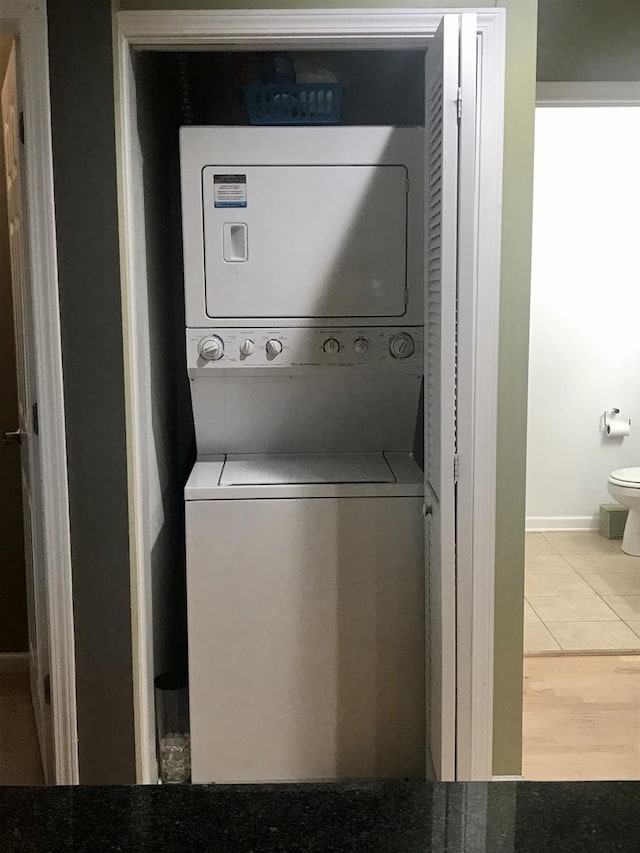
point(305, 241)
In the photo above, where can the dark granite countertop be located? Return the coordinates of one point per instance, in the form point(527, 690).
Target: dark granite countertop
point(500, 817)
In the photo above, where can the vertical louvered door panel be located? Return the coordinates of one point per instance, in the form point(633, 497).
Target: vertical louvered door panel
point(441, 131)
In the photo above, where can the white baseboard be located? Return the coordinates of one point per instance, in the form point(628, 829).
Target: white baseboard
point(11, 662)
point(578, 522)
point(507, 778)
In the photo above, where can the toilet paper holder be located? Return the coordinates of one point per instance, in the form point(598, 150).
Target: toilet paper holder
point(611, 413)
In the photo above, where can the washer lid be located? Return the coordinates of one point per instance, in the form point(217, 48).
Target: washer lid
point(256, 469)
point(629, 477)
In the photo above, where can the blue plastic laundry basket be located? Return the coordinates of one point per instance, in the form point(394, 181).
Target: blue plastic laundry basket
point(293, 103)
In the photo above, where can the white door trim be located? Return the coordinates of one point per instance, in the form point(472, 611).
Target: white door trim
point(238, 29)
point(402, 28)
point(478, 307)
point(588, 94)
point(477, 478)
point(28, 22)
point(135, 334)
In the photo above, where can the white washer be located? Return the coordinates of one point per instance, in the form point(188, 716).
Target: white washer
point(306, 617)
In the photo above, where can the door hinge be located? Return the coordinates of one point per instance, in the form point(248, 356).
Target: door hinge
point(456, 468)
point(34, 419)
point(21, 127)
point(47, 689)
point(459, 104)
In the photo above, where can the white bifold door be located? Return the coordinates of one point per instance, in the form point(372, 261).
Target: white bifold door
point(450, 119)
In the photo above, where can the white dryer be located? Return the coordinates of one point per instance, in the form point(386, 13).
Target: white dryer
point(302, 226)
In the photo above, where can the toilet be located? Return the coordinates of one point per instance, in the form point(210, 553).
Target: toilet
point(624, 486)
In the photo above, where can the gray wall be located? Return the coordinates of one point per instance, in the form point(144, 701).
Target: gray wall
point(82, 102)
point(588, 40)
point(170, 434)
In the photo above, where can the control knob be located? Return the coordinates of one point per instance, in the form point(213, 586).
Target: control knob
point(331, 346)
point(211, 348)
point(360, 346)
point(246, 347)
point(402, 345)
point(273, 347)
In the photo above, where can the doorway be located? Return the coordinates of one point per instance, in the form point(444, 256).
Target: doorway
point(582, 590)
point(477, 358)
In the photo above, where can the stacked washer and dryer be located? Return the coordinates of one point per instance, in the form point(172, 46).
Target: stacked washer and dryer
point(304, 531)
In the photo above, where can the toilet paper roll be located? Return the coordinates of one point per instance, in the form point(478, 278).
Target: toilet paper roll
point(617, 429)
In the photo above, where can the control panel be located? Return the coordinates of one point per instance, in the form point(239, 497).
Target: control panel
point(307, 349)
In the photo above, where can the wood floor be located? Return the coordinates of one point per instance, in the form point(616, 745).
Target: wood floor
point(581, 717)
point(19, 753)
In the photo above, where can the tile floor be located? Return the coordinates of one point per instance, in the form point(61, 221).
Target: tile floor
point(582, 594)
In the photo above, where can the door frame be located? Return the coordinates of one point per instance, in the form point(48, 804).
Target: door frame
point(367, 28)
point(27, 22)
point(580, 94)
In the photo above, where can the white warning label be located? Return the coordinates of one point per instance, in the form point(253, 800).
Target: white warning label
point(230, 190)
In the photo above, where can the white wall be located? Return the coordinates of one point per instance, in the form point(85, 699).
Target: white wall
point(585, 310)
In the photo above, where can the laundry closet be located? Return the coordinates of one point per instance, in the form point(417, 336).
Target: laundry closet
point(295, 362)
